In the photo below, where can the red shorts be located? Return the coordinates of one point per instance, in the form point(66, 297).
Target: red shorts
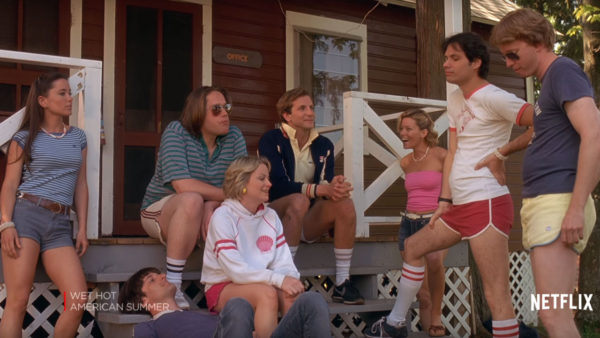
point(471, 219)
point(212, 295)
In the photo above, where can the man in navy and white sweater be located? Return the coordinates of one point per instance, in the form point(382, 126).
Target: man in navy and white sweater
point(308, 198)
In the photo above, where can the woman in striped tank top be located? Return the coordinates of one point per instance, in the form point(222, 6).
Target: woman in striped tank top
point(45, 177)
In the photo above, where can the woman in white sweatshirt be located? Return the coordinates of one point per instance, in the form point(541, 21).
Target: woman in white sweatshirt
point(245, 253)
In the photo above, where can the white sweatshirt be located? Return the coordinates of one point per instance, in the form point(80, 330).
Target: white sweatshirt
point(244, 248)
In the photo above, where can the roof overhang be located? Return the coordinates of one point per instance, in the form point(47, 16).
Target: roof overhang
point(484, 11)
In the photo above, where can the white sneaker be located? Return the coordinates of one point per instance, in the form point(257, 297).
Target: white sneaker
point(180, 300)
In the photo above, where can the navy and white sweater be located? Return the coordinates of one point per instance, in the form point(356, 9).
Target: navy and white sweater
point(275, 145)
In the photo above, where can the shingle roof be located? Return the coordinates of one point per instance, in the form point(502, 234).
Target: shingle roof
point(485, 11)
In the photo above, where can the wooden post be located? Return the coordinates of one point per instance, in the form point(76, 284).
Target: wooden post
point(353, 157)
point(430, 36)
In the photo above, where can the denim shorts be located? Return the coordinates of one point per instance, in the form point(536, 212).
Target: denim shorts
point(409, 227)
point(50, 230)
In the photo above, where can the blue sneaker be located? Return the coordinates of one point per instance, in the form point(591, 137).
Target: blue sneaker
point(347, 293)
point(382, 329)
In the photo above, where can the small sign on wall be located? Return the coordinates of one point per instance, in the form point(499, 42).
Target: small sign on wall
point(237, 57)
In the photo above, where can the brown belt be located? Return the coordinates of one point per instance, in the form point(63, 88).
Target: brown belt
point(55, 207)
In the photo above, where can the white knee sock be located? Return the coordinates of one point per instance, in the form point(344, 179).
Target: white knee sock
point(175, 270)
point(410, 283)
point(508, 328)
point(342, 264)
point(293, 250)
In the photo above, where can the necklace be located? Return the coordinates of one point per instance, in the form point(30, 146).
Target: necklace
point(61, 135)
point(422, 157)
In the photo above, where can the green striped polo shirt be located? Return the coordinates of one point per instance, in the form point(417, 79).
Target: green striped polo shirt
point(182, 156)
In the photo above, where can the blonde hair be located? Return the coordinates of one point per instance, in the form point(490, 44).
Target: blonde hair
point(524, 24)
point(424, 122)
point(238, 174)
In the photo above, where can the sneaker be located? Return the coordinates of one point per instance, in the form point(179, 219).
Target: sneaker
point(382, 329)
point(180, 300)
point(347, 293)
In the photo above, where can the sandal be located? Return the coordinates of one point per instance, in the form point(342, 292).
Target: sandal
point(437, 331)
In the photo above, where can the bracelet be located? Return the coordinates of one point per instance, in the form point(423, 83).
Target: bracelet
point(442, 199)
point(499, 155)
point(6, 225)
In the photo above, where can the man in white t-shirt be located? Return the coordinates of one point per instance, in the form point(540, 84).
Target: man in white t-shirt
point(475, 203)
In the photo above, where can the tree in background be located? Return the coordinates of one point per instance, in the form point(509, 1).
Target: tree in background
point(578, 25)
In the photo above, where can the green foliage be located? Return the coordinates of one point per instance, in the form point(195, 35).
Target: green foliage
point(587, 13)
point(566, 16)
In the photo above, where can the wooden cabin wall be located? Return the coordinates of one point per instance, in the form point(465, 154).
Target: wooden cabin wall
point(260, 26)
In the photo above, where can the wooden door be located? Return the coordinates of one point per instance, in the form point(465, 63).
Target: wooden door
point(158, 51)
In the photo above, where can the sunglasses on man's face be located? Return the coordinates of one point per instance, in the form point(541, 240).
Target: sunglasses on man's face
point(512, 56)
point(216, 109)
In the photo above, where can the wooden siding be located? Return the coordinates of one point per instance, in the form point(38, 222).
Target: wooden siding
point(92, 40)
point(260, 26)
point(391, 35)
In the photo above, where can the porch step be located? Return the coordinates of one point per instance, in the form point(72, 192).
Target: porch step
point(422, 334)
point(121, 318)
point(370, 305)
point(112, 277)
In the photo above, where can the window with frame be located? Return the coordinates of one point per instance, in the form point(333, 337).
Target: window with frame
point(326, 57)
point(35, 26)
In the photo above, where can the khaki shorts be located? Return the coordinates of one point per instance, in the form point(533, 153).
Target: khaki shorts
point(542, 218)
point(149, 218)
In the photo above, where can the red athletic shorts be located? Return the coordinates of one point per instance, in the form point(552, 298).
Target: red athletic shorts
point(471, 219)
point(212, 295)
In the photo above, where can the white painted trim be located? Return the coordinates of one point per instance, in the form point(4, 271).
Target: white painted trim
point(48, 60)
point(453, 17)
point(108, 104)
point(76, 30)
point(383, 219)
point(318, 24)
point(207, 12)
point(207, 32)
point(453, 25)
point(413, 101)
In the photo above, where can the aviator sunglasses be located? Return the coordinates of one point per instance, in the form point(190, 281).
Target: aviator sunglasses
point(216, 109)
point(513, 56)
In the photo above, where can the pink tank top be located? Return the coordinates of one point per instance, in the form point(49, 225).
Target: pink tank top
point(423, 188)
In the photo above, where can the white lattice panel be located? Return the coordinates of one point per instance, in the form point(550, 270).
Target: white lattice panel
point(522, 286)
point(456, 308)
point(46, 302)
point(456, 305)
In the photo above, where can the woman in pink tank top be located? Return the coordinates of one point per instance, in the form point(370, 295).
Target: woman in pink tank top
point(423, 182)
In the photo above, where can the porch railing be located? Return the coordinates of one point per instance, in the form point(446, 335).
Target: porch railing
point(86, 89)
point(359, 119)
